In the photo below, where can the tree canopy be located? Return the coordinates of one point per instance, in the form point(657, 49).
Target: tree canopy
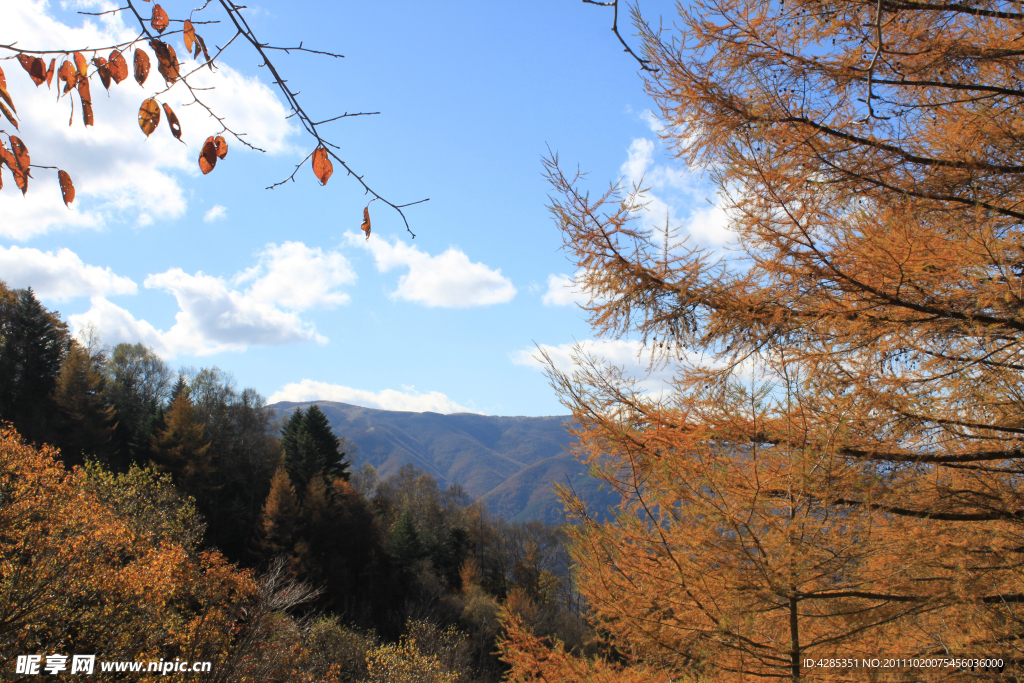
point(839, 475)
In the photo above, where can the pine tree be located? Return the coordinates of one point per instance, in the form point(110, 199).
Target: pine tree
point(290, 432)
point(33, 347)
point(328, 446)
point(181, 448)
point(311, 447)
point(405, 546)
point(279, 523)
point(84, 422)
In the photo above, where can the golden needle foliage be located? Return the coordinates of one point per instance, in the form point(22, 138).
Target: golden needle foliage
point(841, 476)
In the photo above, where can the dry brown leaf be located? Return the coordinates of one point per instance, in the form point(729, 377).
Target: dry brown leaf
point(141, 66)
point(189, 34)
point(8, 114)
point(206, 55)
point(208, 156)
point(168, 60)
point(83, 92)
point(365, 227)
point(20, 179)
point(172, 122)
point(221, 146)
point(67, 188)
point(160, 19)
point(68, 75)
point(21, 156)
point(35, 67)
point(103, 70)
point(149, 116)
point(3, 79)
point(81, 65)
point(49, 72)
point(18, 162)
point(118, 66)
point(322, 166)
point(6, 97)
point(6, 158)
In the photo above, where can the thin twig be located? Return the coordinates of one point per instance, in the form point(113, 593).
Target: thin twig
point(614, 4)
point(242, 29)
point(234, 12)
point(346, 115)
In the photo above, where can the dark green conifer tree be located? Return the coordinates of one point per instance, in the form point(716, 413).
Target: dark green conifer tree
point(33, 343)
point(329, 455)
point(311, 448)
point(405, 546)
point(290, 433)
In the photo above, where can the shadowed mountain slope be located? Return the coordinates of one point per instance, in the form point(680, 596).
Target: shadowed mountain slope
point(510, 462)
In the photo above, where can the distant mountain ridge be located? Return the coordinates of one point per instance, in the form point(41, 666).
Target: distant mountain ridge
point(512, 463)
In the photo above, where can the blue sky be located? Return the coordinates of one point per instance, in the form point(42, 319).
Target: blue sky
point(278, 287)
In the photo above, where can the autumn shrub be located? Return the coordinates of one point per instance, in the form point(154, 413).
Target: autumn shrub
point(334, 652)
point(425, 654)
point(78, 575)
point(404, 662)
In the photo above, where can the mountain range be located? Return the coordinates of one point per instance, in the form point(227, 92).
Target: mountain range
point(510, 463)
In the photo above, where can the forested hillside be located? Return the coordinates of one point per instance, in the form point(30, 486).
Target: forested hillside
point(510, 463)
point(176, 517)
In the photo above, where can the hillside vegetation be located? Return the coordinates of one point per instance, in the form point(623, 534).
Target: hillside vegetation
point(148, 515)
point(511, 464)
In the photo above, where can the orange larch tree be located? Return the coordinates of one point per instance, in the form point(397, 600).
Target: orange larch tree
point(842, 479)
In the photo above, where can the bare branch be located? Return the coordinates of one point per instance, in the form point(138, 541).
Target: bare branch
point(645, 64)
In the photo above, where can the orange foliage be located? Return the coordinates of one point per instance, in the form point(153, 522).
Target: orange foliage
point(835, 471)
point(535, 659)
point(78, 577)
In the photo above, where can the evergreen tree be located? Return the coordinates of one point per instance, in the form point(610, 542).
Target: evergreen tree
point(32, 346)
point(311, 447)
point(405, 545)
point(328, 446)
point(8, 306)
point(180, 386)
point(290, 433)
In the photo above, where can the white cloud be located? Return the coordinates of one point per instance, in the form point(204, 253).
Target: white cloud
point(59, 276)
point(298, 277)
point(447, 280)
point(388, 399)
point(563, 291)
point(216, 213)
point(115, 325)
point(118, 173)
point(215, 318)
point(215, 315)
point(673, 193)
